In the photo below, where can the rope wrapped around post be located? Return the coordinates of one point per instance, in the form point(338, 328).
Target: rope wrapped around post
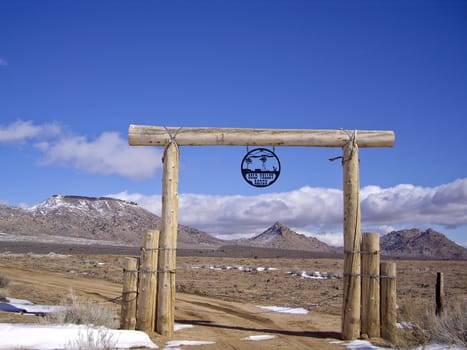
point(352, 236)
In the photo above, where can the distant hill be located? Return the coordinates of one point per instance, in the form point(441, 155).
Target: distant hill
point(105, 220)
point(415, 243)
point(279, 236)
point(109, 221)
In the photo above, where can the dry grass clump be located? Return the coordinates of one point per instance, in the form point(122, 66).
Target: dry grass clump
point(4, 281)
point(421, 326)
point(93, 339)
point(85, 312)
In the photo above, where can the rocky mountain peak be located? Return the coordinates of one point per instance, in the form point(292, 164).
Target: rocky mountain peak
point(281, 237)
point(277, 229)
point(418, 243)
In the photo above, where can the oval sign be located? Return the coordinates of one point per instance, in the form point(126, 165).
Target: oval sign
point(260, 167)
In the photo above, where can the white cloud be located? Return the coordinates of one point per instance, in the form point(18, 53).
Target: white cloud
point(383, 229)
point(3, 62)
point(444, 205)
point(237, 216)
point(108, 154)
point(335, 239)
point(310, 210)
point(233, 214)
point(22, 130)
point(152, 203)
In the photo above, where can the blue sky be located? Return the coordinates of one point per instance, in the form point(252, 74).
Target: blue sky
point(75, 74)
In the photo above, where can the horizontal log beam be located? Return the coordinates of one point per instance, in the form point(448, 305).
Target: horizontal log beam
point(142, 135)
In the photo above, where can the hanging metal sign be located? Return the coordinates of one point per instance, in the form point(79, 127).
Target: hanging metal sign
point(260, 167)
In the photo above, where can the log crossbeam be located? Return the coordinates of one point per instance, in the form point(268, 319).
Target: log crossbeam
point(143, 135)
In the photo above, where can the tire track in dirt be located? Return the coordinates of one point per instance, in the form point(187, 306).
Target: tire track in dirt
point(236, 321)
point(236, 312)
point(58, 283)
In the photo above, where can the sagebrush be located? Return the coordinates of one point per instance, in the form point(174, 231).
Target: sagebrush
point(421, 325)
point(93, 339)
point(87, 312)
point(4, 281)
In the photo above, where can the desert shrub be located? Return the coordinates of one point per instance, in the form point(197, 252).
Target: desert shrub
point(4, 281)
point(93, 339)
point(421, 326)
point(451, 326)
point(85, 312)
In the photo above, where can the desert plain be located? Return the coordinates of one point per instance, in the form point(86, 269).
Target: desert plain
point(220, 298)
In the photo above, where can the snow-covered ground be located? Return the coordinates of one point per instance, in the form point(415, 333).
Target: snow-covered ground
point(45, 337)
point(70, 336)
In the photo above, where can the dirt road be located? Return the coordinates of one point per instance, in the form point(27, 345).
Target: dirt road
point(225, 323)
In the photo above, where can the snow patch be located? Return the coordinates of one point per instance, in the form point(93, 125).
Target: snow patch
point(317, 275)
point(440, 347)
point(58, 337)
point(179, 327)
point(361, 345)
point(366, 345)
point(177, 343)
point(259, 337)
point(238, 267)
point(285, 310)
point(25, 306)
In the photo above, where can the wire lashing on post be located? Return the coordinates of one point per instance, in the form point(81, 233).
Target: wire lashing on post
point(352, 142)
point(367, 275)
point(152, 249)
point(149, 271)
point(172, 140)
point(370, 252)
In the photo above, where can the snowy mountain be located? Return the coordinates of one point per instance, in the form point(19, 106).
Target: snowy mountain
point(108, 220)
point(63, 205)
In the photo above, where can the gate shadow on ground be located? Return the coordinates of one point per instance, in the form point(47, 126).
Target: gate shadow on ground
point(309, 334)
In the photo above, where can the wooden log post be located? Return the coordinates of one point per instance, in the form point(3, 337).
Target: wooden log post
point(145, 317)
point(352, 237)
point(370, 285)
point(168, 243)
point(388, 301)
point(439, 293)
point(129, 293)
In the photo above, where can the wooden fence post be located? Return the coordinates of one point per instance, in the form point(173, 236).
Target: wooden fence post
point(370, 285)
point(388, 301)
point(147, 282)
point(129, 293)
point(168, 243)
point(439, 293)
point(352, 237)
